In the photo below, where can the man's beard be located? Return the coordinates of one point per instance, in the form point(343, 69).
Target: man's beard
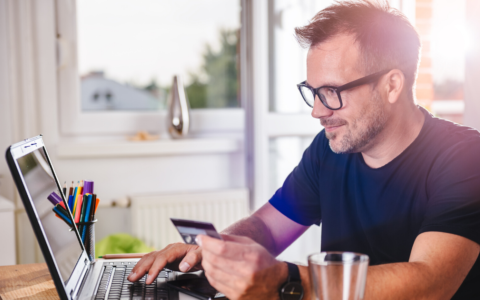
point(371, 118)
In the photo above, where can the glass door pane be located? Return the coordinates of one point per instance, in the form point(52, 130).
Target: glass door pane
point(448, 58)
point(287, 65)
point(284, 155)
point(287, 68)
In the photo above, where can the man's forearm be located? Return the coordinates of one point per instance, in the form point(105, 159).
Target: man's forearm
point(394, 281)
point(408, 280)
point(254, 228)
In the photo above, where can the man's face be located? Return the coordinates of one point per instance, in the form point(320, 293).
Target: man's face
point(354, 127)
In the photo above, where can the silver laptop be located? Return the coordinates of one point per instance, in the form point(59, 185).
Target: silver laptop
point(74, 275)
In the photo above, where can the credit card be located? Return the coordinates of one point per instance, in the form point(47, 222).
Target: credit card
point(189, 229)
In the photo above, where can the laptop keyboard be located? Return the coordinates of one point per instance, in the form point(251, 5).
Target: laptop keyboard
point(114, 284)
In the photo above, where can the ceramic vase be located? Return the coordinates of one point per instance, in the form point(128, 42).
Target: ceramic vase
point(178, 110)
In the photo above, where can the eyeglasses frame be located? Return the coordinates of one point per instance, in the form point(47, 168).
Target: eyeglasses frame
point(361, 81)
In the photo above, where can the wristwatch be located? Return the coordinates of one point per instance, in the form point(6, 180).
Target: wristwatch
point(292, 289)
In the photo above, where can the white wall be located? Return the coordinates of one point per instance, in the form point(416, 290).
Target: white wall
point(29, 106)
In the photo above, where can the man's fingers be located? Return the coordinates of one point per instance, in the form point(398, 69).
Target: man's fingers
point(220, 280)
point(231, 267)
point(155, 268)
point(169, 257)
point(142, 266)
point(192, 258)
point(222, 248)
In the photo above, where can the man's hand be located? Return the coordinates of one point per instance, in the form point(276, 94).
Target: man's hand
point(177, 256)
point(240, 268)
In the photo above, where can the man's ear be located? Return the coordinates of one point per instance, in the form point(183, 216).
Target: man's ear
point(393, 83)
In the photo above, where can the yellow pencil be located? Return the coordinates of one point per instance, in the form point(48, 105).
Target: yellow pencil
point(75, 197)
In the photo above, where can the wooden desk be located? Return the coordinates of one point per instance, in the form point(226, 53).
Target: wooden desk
point(27, 282)
point(33, 282)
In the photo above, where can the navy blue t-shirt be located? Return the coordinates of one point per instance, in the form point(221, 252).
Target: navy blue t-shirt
point(434, 185)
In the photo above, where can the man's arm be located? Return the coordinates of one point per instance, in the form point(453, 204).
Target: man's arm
point(267, 227)
point(241, 268)
point(439, 262)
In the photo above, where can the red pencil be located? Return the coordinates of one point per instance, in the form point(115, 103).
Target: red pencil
point(78, 209)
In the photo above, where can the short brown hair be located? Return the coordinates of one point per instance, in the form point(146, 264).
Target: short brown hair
point(385, 37)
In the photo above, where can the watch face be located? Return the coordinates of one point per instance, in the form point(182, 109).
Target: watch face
point(292, 291)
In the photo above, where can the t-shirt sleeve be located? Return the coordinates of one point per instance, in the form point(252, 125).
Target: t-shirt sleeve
point(298, 198)
point(454, 192)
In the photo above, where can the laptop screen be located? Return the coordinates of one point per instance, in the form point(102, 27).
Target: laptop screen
point(40, 183)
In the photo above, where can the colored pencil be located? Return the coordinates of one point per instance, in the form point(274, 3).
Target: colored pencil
point(78, 209)
point(87, 212)
point(81, 188)
point(70, 203)
point(63, 216)
point(124, 255)
point(75, 198)
point(63, 210)
point(91, 203)
point(64, 189)
point(54, 198)
point(70, 190)
point(62, 204)
point(88, 187)
point(88, 208)
point(96, 206)
point(92, 211)
point(82, 211)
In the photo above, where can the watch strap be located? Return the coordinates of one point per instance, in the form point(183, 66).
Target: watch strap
point(293, 273)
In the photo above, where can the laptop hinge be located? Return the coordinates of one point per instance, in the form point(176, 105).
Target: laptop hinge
point(74, 292)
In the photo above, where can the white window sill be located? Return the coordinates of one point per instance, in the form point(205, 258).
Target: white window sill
point(147, 148)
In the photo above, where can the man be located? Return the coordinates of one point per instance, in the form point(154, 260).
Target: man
point(384, 177)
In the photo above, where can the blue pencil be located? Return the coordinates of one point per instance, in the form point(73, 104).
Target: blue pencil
point(64, 217)
point(85, 219)
point(70, 203)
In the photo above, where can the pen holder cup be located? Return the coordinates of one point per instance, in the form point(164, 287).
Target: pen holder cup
point(87, 233)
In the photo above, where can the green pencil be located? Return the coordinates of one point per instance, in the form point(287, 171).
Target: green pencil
point(82, 212)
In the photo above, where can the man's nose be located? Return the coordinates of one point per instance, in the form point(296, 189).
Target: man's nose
point(319, 110)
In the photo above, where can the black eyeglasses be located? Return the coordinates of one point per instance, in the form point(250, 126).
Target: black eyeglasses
point(330, 95)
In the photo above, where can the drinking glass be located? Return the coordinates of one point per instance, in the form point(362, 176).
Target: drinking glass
point(338, 275)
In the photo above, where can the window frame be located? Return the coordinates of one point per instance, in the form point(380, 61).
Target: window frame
point(74, 122)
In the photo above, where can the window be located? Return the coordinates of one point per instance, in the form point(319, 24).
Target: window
point(117, 60)
point(449, 43)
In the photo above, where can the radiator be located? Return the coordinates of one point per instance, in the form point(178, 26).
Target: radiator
point(151, 214)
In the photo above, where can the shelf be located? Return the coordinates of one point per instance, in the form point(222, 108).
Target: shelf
point(148, 148)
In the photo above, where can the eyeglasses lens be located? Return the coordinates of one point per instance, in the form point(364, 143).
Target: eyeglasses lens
point(307, 95)
point(329, 97)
